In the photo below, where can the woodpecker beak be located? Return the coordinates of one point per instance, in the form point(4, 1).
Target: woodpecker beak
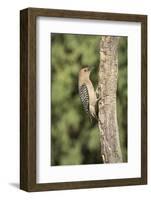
point(91, 68)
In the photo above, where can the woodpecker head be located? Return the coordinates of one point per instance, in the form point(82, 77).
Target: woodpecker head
point(85, 72)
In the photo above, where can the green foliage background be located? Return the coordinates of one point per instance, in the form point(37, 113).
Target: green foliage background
point(74, 139)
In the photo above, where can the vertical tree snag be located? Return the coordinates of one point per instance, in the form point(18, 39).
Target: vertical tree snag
point(107, 111)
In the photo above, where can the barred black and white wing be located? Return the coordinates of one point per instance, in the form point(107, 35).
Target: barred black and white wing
point(84, 96)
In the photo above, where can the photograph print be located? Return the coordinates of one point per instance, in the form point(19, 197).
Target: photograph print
point(83, 99)
point(88, 99)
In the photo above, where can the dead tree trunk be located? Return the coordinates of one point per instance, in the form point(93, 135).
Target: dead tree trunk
point(107, 111)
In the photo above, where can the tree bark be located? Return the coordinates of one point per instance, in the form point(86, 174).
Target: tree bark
point(106, 91)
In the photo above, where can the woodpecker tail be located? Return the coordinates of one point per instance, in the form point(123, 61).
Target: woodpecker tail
point(91, 119)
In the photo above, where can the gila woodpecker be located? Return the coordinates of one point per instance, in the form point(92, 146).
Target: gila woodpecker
point(87, 93)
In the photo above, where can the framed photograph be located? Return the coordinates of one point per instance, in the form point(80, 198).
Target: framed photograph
point(83, 99)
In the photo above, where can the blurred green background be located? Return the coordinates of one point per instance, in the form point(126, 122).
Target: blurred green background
point(74, 139)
